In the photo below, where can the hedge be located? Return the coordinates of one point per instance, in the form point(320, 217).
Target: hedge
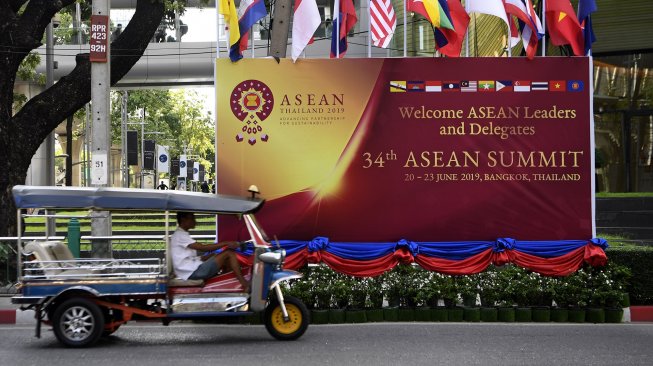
point(640, 261)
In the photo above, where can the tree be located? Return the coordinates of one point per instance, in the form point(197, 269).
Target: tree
point(22, 25)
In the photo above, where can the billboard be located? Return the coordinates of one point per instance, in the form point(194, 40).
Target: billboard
point(424, 149)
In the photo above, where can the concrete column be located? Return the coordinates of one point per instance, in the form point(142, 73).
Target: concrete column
point(101, 135)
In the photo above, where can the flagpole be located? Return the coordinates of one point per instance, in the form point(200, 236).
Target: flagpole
point(543, 16)
point(467, 31)
point(405, 31)
point(251, 39)
point(338, 32)
point(369, 28)
point(217, 30)
point(508, 45)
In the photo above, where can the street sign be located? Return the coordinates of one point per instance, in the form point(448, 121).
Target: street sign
point(99, 168)
point(99, 38)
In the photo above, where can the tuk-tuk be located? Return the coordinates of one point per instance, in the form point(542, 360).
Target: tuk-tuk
point(84, 299)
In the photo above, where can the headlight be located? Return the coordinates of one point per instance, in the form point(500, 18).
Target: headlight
point(275, 257)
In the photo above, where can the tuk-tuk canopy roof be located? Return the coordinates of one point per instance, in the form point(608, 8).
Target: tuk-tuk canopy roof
point(103, 198)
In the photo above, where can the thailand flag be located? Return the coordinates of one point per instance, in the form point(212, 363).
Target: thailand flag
point(344, 21)
point(529, 24)
point(249, 12)
point(305, 22)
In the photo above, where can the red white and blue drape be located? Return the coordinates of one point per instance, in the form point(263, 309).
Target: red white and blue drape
point(551, 258)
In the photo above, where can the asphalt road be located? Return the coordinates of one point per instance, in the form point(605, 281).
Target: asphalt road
point(366, 344)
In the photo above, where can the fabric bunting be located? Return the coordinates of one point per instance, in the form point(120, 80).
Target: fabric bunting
point(551, 258)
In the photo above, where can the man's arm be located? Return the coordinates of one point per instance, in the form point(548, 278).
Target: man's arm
point(212, 247)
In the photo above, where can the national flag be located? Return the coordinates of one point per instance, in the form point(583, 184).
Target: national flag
point(163, 160)
point(196, 171)
point(383, 22)
point(183, 167)
point(249, 12)
point(490, 7)
point(449, 86)
point(228, 11)
point(522, 86)
point(585, 10)
point(563, 26)
point(486, 85)
point(433, 86)
point(449, 42)
point(306, 20)
point(574, 85)
point(432, 10)
point(557, 85)
point(415, 86)
point(504, 85)
point(468, 86)
point(529, 24)
point(344, 21)
point(540, 85)
point(397, 86)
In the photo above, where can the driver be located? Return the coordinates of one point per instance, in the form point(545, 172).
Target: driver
point(186, 262)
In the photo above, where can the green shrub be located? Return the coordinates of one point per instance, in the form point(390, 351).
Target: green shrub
point(638, 260)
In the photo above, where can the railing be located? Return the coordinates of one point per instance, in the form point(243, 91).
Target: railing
point(86, 269)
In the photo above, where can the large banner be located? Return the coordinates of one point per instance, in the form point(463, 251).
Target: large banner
point(423, 149)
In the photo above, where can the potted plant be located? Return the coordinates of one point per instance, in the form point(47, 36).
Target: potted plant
point(320, 278)
point(374, 311)
point(489, 290)
point(391, 285)
point(356, 311)
point(341, 289)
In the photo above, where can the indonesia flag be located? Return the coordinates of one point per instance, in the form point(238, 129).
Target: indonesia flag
point(343, 22)
point(249, 12)
point(383, 22)
point(305, 22)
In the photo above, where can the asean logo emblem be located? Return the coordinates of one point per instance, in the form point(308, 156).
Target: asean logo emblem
point(163, 158)
point(252, 102)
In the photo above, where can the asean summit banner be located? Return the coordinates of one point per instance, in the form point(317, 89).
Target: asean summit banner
point(417, 149)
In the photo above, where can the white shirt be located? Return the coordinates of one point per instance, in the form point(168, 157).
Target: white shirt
point(184, 260)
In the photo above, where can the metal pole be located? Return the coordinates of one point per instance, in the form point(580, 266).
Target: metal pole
point(405, 31)
point(143, 150)
point(123, 133)
point(50, 226)
point(369, 28)
point(543, 16)
point(78, 26)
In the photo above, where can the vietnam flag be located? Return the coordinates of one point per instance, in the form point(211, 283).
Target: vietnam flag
point(563, 26)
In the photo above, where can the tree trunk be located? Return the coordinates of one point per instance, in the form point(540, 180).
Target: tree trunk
point(22, 134)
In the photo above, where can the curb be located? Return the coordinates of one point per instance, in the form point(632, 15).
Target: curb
point(17, 316)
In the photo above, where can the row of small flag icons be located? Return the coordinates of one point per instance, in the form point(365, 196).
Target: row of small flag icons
point(400, 86)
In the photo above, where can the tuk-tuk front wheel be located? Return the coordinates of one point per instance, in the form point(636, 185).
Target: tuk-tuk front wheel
point(78, 322)
point(294, 327)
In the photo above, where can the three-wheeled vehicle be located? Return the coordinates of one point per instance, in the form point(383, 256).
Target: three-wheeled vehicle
point(85, 299)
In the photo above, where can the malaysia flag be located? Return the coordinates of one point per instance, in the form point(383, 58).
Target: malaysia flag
point(344, 21)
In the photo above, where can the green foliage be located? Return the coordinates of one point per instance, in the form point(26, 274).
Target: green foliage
point(638, 260)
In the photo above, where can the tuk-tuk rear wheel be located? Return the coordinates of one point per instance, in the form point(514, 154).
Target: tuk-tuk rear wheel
point(78, 322)
point(294, 327)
